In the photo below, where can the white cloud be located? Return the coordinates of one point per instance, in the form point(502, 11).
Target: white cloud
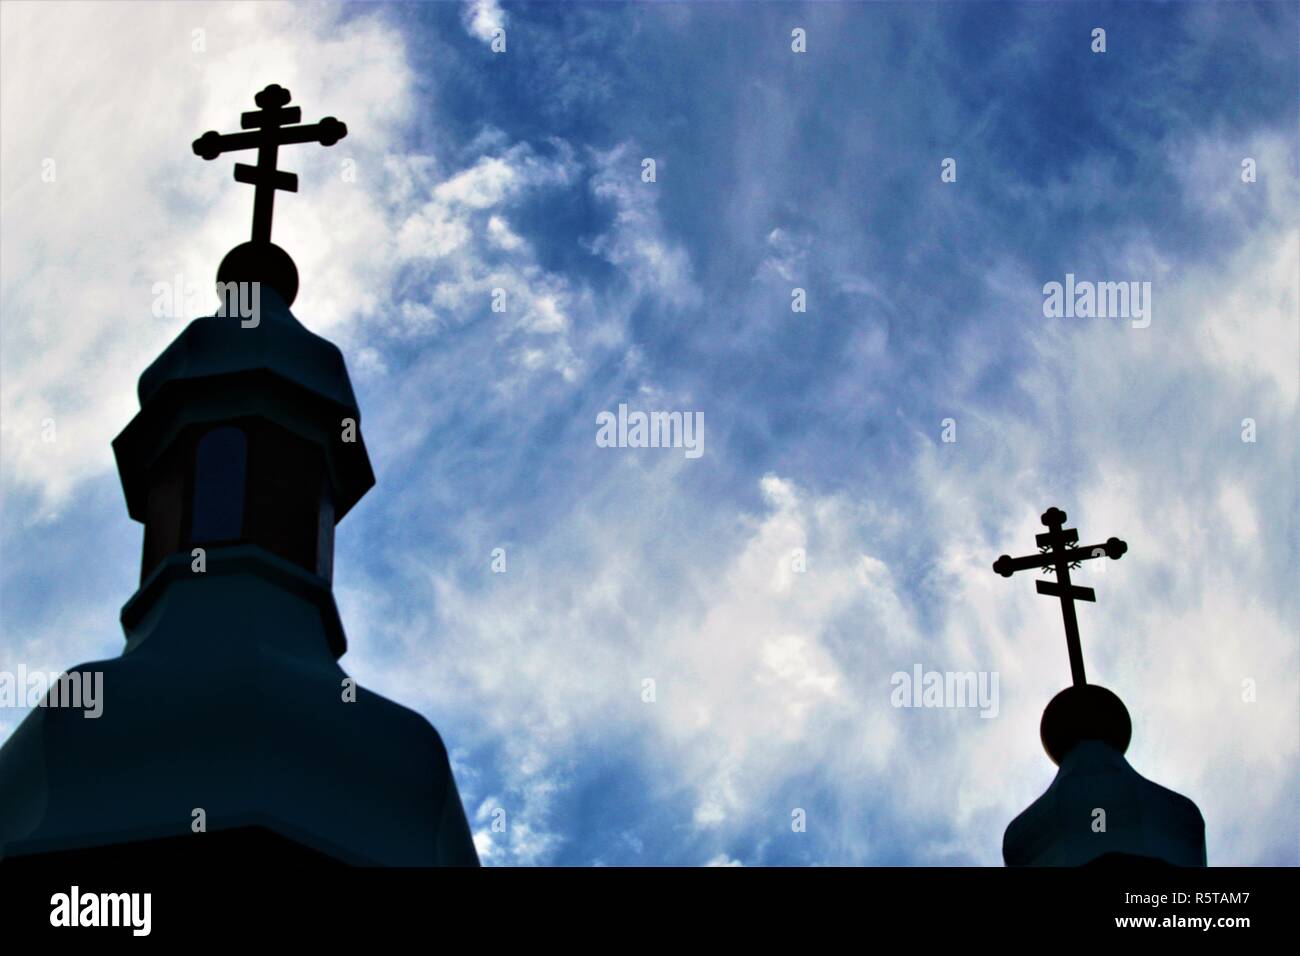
point(482, 18)
point(485, 184)
point(1249, 326)
point(637, 241)
point(788, 258)
point(501, 236)
point(749, 691)
point(460, 240)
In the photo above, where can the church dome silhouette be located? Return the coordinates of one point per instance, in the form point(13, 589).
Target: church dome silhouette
point(228, 730)
point(1098, 809)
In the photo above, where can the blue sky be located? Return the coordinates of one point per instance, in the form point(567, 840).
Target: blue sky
point(521, 170)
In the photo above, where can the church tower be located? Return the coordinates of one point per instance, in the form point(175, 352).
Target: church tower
point(228, 729)
point(1099, 810)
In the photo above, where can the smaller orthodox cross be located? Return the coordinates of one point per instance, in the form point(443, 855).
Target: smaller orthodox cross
point(1057, 556)
point(268, 132)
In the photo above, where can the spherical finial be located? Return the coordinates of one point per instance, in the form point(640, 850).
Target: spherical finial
point(262, 262)
point(1084, 712)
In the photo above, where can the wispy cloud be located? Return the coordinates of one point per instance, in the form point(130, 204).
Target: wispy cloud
point(482, 18)
point(770, 693)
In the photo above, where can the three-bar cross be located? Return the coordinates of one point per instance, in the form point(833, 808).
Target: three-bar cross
point(1058, 554)
point(268, 132)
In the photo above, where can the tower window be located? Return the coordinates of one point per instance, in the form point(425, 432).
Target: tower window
point(325, 531)
point(250, 481)
point(164, 517)
point(220, 468)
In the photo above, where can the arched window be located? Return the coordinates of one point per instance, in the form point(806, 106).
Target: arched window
point(220, 467)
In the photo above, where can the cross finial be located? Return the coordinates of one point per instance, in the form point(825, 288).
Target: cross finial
point(1057, 555)
point(269, 130)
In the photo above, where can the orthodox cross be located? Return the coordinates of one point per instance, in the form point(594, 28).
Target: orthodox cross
point(1057, 555)
point(268, 132)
